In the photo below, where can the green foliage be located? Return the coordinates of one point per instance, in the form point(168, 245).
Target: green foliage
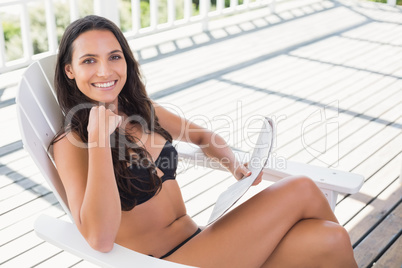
point(125, 15)
point(10, 29)
point(12, 37)
point(145, 13)
point(62, 14)
point(398, 2)
point(37, 22)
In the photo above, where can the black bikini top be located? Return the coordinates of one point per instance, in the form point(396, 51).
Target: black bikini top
point(167, 162)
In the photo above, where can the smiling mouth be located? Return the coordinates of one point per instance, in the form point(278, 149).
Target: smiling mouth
point(105, 85)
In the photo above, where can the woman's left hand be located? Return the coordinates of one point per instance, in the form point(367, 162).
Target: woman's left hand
point(242, 171)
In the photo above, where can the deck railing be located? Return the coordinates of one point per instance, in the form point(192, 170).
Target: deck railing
point(109, 9)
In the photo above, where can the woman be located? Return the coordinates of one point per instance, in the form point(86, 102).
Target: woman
point(117, 164)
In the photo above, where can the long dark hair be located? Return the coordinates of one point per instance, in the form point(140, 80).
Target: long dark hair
point(132, 100)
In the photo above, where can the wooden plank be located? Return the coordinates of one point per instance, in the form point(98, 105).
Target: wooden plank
point(372, 211)
point(373, 163)
point(350, 132)
point(392, 257)
point(9, 122)
point(18, 246)
point(375, 142)
point(378, 239)
point(85, 264)
point(13, 155)
point(206, 200)
point(347, 209)
point(10, 147)
point(34, 253)
point(202, 185)
point(12, 176)
point(62, 259)
point(24, 226)
point(16, 188)
point(191, 175)
point(27, 210)
point(22, 198)
point(16, 165)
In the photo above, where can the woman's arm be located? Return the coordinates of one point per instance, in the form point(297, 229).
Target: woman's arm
point(211, 143)
point(88, 177)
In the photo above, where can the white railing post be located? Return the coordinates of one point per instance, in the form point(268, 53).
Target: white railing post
point(204, 10)
point(26, 33)
point(2, 46)
point(233, 4)
point(188, 10)
point(108, 9)
point(74, 13)
point(153, 8)
point(246, 4)
point(135, 15)
point(272, 6)
point(220, 5)
point(51, 26)
point(391, 2)
point(171, 11)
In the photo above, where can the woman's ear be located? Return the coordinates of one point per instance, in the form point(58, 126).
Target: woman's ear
point(69, 71)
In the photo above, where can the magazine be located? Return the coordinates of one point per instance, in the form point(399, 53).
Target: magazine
point(257, 162)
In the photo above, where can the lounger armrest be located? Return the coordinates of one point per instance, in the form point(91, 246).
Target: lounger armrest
point(66, 236)
point(325, 178)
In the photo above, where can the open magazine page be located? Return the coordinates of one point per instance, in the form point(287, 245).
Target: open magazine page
point(257, 162)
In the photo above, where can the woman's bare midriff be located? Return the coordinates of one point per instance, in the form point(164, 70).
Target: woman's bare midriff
point(158, 225)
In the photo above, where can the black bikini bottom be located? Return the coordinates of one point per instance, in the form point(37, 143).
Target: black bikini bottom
point(181, 244)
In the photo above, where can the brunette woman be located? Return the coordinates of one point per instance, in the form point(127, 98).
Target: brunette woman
point(117, 163)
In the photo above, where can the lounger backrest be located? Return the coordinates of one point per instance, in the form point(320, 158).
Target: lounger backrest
point(40, 118)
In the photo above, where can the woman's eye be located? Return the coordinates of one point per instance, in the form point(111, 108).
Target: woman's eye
point(115, 57)
point(88, 61)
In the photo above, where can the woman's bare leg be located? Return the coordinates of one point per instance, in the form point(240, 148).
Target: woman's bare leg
point(249, 234)
point(313, 243)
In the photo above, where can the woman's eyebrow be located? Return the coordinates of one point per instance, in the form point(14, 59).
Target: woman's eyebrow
point(95, 55)
point(117, 50)
point(87, 55)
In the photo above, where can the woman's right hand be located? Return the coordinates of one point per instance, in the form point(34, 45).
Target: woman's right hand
point(102, 122)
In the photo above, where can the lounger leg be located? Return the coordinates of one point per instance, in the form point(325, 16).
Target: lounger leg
point(331, 197)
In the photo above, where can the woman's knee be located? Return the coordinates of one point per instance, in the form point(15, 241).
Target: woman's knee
point(304, 187)
point(334, 236)
point(335, 245)
point(302, 182)
point(306, 193)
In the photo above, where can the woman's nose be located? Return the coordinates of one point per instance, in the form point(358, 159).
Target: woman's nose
point(104, 69)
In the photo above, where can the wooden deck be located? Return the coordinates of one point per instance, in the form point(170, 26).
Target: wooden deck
point(328, 72)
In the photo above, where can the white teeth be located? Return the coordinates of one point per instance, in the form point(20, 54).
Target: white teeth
point(108, 84)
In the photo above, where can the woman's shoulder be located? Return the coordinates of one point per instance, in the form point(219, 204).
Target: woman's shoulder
point(69, 145)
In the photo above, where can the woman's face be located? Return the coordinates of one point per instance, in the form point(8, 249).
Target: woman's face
point(98, 66)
